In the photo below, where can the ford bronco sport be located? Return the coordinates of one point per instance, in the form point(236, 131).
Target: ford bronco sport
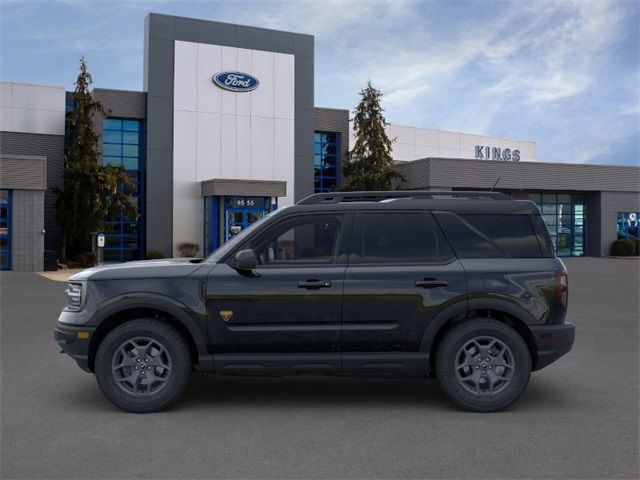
point(464, 286)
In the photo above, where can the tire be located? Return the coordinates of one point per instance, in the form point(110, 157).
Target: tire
point(471, 365)
point(143, 365)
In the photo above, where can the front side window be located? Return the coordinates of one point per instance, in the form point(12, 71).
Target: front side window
point(306, 240)
point(402, 238)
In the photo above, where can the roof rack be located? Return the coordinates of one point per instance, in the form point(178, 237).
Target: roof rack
point(337, 197)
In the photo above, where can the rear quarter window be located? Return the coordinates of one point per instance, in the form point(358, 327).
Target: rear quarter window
point(514, 234)
point(490, 235)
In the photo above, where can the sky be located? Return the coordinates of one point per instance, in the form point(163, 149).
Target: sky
point(565, 74)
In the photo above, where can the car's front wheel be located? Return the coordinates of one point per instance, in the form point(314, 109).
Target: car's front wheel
point(483, 365)
point(143, 365)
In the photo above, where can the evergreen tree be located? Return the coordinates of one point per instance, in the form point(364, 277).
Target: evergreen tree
point(369, 165)
point(92, 191)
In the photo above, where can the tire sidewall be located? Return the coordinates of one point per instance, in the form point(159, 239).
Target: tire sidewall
point(178, 377)
point(446, 360)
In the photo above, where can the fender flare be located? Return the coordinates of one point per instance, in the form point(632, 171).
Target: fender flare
point(156, 302)
point(490, 302)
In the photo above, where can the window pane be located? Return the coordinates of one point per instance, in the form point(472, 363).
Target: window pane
point(512, 233)
point(307, 241)
point(402, 238)
point(112, 124)
point(112, 160)
point(112, 136)
point(111, 150)
point(467, 242)
point(132, 138)
point(131, 125)
point(130, 150)
point(130, 163)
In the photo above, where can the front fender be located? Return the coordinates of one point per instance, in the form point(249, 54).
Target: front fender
point(170, 306)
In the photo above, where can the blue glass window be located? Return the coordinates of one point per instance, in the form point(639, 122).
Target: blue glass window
point(326, 161)
point(124, 144)
point(564, 215)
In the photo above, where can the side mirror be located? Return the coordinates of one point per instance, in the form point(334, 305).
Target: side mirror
point(245, 260)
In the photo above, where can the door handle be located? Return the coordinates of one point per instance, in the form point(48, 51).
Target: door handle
point(431, 283)
point(314, 284)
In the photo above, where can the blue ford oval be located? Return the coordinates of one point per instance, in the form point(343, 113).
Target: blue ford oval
point(236, 81)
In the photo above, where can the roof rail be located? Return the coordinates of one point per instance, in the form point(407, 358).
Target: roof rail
point(337, 197)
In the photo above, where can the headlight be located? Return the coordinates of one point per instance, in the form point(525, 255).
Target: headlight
point(75, 296)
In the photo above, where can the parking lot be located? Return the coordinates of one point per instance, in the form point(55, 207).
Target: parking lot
point(578, 418)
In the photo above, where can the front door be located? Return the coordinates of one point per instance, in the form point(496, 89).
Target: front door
point(5, 230)
point(402, 273)
point(286, 309)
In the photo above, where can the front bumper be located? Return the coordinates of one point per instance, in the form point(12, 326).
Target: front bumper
point(552, 342)
point(74, 341)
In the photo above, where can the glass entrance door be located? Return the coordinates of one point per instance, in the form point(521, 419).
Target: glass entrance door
point(240, 212)
point(564, 215)
point(5, 229)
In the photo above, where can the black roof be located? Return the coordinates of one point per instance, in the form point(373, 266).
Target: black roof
point(452, 201)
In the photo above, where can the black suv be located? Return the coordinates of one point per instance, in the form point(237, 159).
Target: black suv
point(461, 285)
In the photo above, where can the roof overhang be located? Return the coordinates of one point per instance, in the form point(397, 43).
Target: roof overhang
point(235, 187)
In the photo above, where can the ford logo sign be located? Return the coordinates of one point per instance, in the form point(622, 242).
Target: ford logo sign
point(236, 81)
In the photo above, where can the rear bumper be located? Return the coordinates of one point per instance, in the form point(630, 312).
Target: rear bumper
point(74, 345)
point(552, 342)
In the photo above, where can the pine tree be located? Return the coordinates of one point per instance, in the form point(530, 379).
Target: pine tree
point(92, 191)
point(369, 164)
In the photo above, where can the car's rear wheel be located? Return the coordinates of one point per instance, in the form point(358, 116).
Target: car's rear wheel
point(143, 365)
point(483, 365)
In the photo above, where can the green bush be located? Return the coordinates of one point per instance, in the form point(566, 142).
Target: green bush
point(636, 242)
point(623, 248)
point(86, 260)
point(188, 249)
point(154, 255)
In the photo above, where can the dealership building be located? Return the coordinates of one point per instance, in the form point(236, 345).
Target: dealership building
point(226, 130)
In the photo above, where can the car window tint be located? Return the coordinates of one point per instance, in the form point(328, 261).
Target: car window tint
point(543, 236)
point(306, 240)
point(512, 233)
point(467, 241)
point(402, 238)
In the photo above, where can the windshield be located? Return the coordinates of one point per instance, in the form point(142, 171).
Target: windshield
point(220, 252)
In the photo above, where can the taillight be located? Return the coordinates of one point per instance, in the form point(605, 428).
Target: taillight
point(562, 289)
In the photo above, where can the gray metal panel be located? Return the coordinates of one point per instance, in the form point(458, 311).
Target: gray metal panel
point(466, 173)
point(51, 147)
point(334, 120)
point(161, 32)
point(204, 31)
point(610, 204)
point(27, 223)
point(24, 172)
point(254, 38)
point(122, 103)
point(256, 188)
point(593, 225)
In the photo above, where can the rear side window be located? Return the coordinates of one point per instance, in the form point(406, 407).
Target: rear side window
point(514, 234)
point(543, 236)
point(482, 236)
point(401, 238)
point(467, 241)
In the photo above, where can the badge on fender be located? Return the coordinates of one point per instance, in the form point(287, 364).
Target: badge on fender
point(226, 315)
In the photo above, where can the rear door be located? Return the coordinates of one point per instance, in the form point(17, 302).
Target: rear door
point(401, 274)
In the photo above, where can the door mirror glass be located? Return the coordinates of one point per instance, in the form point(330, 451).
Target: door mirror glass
point(245, 260)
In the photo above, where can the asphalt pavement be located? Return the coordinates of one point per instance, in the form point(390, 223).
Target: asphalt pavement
point(578, 418)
